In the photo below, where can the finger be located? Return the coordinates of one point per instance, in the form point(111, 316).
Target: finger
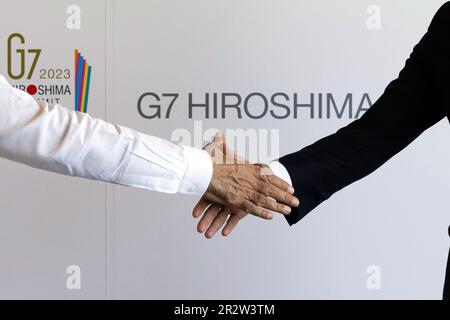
point(217, 142)
point(200, 207)
point(208, 217)
point(219, 138)
point(270, 204)
point(280, 183)
point(253, 209)
point(269, 187)
point(281, 196)
point(233, 222)
point(217, 223)
point(215, 148)
point(270, 190)
point(232, 157)
point(207, 147)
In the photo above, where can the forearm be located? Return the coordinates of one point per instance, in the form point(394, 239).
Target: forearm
point(327, 166)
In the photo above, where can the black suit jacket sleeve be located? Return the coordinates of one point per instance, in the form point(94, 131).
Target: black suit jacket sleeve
point(410, 104)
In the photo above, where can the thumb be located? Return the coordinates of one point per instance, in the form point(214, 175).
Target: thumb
point(219, 138)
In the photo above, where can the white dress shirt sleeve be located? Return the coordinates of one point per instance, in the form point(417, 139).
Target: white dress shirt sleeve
point(53, 138)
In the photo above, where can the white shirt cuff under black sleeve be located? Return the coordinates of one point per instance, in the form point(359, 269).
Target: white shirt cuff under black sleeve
point(280, 171)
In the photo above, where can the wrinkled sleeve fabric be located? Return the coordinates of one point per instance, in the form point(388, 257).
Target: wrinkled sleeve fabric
point(53, 138)
point(409, 105)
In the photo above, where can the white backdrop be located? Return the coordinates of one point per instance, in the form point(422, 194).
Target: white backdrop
point(138, 244)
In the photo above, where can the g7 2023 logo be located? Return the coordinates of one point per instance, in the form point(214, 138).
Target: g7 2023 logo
point(52, 84)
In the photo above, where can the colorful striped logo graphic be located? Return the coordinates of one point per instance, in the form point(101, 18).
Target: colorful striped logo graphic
point(82, 82)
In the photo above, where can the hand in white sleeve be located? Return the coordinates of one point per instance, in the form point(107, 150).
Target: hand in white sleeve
point(53, 138)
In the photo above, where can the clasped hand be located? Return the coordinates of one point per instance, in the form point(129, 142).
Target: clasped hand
point(238, 188)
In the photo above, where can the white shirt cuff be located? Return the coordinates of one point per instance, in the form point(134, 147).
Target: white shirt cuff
point(280, 171)
point(198, 172)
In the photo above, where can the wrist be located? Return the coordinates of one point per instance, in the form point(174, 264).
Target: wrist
point(198, 172)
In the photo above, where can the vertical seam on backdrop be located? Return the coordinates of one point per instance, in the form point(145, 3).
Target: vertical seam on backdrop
point(109, 189)
point(106, 118)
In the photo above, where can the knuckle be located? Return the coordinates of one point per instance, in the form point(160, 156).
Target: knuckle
point(260, 199)
point(264, 188)
point(288, 198)
point(246, 206)
point(282, 196)
point(231, 198)
point(253, 208)
point(260, 184)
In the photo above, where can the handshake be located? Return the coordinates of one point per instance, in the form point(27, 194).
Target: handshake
point(238, 188)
